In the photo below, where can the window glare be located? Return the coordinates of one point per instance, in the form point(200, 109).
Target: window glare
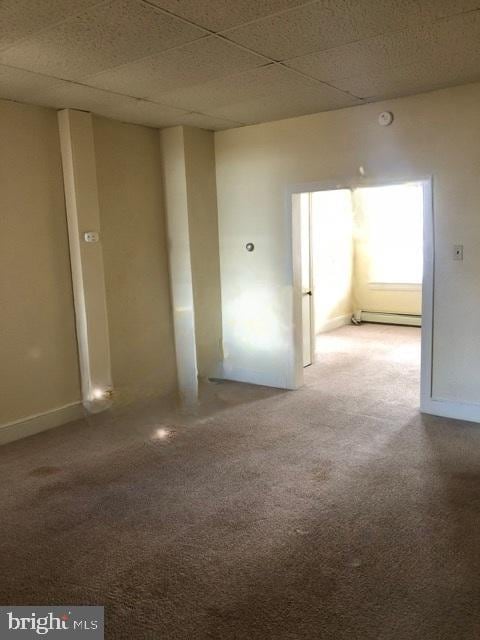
point(394, 224)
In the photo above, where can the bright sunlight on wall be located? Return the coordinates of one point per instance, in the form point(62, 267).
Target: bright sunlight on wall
point(332, 246)
point(393, 218)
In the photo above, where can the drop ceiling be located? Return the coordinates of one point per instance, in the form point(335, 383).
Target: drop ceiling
point(218, 64)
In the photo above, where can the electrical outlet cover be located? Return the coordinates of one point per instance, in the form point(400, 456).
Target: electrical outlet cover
point(91, 236)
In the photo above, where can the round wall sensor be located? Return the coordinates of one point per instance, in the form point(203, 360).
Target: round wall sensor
point(385, 118)
point(249, 246)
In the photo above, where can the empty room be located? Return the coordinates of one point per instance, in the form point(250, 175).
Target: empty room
point(239, 344)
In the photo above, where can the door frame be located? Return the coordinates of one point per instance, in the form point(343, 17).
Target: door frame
point(427, 402)
point(311, 287)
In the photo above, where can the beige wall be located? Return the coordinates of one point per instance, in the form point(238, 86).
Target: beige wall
point(433, 134)
point(135, 258)
point(404, 299)
point(332, 247)
point(39, 362)
point(204, 251)
point(38, 355)
point(342, 264)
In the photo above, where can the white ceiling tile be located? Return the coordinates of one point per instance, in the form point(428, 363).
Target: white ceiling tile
point(435, 9)
point(415, 78)
point(23, 86)
point(76, 96)
point(192, 63)
point(364, 56)
point(104, 36)
point(453, 38)
point(326, 24)
point(303, 102)
point(258, 94)
point(203, 121)
point(223, 14)
point(21, 18)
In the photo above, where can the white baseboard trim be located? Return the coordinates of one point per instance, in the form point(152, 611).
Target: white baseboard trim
point(335, 323)
point(40, 422)
point(448, 409)
point(391, 318)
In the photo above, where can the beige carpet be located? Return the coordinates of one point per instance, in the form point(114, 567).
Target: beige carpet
point(336, 511)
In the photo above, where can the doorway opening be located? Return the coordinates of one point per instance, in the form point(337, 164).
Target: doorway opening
point(366, 264)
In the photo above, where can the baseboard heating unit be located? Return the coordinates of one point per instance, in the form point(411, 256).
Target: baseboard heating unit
point(389, 318)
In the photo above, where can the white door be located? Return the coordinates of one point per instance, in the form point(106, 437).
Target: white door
point(306, 279)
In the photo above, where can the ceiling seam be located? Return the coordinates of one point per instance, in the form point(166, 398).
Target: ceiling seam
point(221, 37)
point(213, 32)
point(150, 55)
point(270, 15)
point(317, 80)
point(171, 14)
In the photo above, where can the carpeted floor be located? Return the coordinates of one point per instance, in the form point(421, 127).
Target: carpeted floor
point(336, 511)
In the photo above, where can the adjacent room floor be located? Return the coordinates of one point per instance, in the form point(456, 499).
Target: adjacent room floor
point(336, 511)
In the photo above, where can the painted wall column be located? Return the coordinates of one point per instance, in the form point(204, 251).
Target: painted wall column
point(204, 249)
point(175, 193)
point(86, 257)
point(188, 160)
